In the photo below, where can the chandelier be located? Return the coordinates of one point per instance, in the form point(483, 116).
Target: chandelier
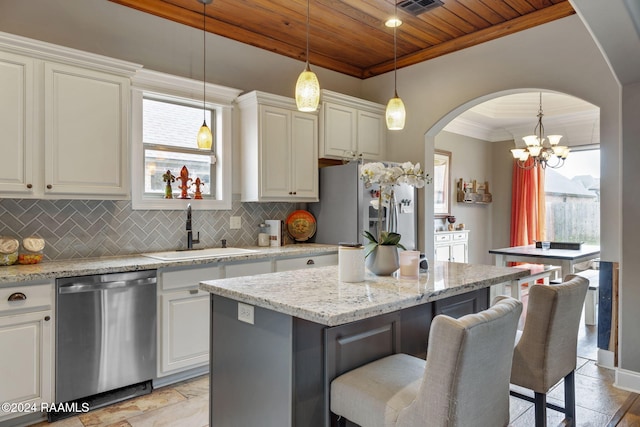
point(544, 151)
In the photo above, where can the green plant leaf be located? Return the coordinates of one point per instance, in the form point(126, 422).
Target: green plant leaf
point(369, 248)
point(390, 238)
point(370, 236)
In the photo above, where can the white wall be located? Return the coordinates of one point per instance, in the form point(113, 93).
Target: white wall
point(559, 56)
point(471, 159)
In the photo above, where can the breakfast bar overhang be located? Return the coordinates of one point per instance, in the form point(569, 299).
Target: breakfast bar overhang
point(278, 339)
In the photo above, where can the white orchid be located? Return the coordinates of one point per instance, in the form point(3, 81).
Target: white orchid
point(386, 177)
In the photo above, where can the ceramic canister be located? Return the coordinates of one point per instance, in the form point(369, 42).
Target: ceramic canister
point(351, 262)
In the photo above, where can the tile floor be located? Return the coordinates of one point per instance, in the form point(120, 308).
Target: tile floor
point(186, 403)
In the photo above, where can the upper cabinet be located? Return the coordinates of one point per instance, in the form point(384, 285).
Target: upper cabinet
point(66, 119)
point(351, 127)
point(279, 150)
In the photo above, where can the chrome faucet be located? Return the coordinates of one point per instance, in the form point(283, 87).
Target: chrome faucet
point(190, 239)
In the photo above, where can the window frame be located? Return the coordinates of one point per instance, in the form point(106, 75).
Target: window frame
point(219, 99)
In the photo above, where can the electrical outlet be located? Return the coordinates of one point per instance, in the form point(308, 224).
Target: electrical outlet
point(236, 222)
point(245, 313)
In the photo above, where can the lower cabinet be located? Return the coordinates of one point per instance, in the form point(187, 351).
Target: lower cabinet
point(26, 337)
point(183, 333)
point(452, 246)
point(185, 327)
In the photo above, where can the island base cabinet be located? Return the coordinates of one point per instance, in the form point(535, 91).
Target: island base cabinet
point(251, 367)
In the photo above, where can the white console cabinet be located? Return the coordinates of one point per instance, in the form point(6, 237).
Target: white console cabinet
point(452, 246)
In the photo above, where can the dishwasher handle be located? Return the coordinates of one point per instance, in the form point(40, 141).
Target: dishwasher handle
point(72, 288)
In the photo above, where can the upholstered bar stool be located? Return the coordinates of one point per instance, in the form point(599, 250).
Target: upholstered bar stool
point(546, 350)
point(464, 381)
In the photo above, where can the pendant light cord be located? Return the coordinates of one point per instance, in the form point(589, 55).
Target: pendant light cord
point(308, 11)
point(395, 52)
point(204, 59)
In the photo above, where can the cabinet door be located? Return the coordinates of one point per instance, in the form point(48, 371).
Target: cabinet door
point(371, 136)
point(17, 123)
point(275, 152)
point(185, 326)
point(459, 252)
point(25, 362)
point(304, 167)
point(442, 253)
point(86, 132)
point(247, 269)
point(339, 131)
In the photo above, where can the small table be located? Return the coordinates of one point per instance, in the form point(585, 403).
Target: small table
point(565, 258)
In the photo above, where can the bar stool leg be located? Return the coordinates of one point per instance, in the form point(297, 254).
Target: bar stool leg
point(540, 404)
point(570, 398)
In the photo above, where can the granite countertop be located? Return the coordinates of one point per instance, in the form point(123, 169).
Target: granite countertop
point(317, 295)
point(86, 266)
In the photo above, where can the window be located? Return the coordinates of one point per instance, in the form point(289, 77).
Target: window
point(168, 139)
point(572, 198)
point(166, 116)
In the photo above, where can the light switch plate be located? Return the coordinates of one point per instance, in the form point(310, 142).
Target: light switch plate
point(235, 223)
point(245, 313)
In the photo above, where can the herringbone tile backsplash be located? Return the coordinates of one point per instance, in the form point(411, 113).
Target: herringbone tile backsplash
point(94, 228)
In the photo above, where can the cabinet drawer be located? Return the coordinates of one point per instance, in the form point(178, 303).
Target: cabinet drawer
point(439, 238)
point(26, 296)
point(460, 236)
point(247, 269)
point(306, 262)
point(187, 278)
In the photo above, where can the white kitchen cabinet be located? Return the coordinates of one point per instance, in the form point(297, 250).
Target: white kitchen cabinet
point(65, 121)
point(279, 150)
point(351, 127)
point(16, 122)
point(26, 335)
point(247, 268)
point(452, 246)
point(86, 119)
point(183, 333)
point(185, 330)
point(311, 261)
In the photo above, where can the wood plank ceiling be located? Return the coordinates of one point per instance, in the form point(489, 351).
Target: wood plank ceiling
point(349, 36)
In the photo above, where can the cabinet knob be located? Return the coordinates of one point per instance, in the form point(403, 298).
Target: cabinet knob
point(17, 296)
point(47, 318)
point(193, 291)
point(310, 262)
point(49, 186)
point(29, 186)
point(290, 192)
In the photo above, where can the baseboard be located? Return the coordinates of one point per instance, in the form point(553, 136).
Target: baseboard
point(180, 376)
point(627, 380)
point(606, 359)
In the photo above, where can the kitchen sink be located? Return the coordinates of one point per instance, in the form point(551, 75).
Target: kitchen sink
point(197, 253)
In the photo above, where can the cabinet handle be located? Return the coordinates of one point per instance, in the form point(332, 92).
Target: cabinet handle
point(49, 186)
point(17, 296)
point(295, 193)
point(29, 186)
point(290, 193)
point(310, 262)
point(193, 291)
point(47, 318)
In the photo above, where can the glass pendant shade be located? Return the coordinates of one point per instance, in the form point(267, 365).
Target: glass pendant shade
point(395, 114)
point(307, 91)
point(205, 139)
point(554, 139)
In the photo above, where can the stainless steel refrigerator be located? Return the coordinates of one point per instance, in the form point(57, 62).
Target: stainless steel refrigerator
point(345, 209)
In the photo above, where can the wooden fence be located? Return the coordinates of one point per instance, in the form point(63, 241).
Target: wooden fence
point(573, 222)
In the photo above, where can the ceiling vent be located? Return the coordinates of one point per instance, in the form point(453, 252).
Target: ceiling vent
point(418, 7)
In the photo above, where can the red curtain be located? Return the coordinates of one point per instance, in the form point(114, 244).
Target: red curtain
point(527, 205)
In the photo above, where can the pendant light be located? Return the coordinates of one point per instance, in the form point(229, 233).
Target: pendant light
point(307, 86)
point(205, 139)
point(395, 113)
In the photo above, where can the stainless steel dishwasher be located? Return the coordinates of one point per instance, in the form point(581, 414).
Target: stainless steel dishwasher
point(105, 336)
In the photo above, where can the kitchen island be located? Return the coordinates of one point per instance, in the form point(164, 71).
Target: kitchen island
point(278, 339)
